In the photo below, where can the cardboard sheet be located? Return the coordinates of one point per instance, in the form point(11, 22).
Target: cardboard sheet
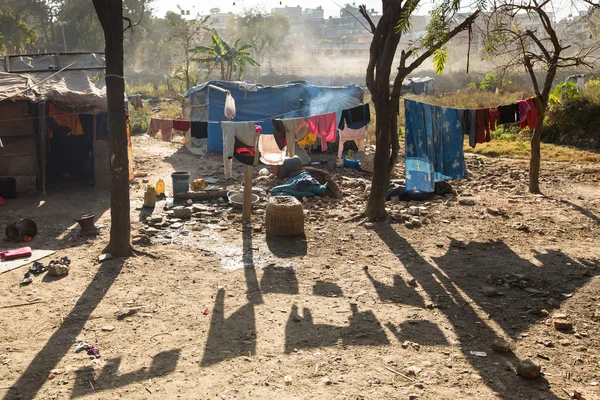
point(6, 266)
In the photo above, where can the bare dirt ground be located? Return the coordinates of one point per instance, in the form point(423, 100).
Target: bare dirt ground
point(351, 311)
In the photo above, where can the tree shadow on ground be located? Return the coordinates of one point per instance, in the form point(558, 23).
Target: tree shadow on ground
point(583, 211)
point(61, 341)
point(522, 289)
point(400, 292)
point(253, 292)
point(287, 247)
point(162, 364)
point(302, 333)
point(279, 280)
point(327, 289)
point(230, 337)
point(420, 331)
point(459, 272)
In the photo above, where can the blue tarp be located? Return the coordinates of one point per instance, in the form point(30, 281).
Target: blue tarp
point(262, 104)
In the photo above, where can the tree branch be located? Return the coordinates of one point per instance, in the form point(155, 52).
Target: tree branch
point(416, 63)
point(363, 11)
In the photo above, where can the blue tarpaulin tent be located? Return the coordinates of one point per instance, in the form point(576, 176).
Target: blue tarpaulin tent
point(262, 104)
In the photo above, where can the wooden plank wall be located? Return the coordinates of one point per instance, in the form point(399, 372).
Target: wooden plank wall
point(18, 158)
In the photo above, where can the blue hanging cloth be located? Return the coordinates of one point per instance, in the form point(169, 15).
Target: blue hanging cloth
point(434, 145)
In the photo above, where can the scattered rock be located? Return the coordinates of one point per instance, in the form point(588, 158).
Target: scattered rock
point(142, 240)
point(413, 396)
point(466, 202)
point(489, 291)
point(562, 323)
point(412, 282)
point(529, 369)
point(419, 385)
point(413, 370)
point(287, 380)
point(182, 212)
point(501, 346)
point(108, 328)
point(56, 268)
point(297, 317)
point(327, 381)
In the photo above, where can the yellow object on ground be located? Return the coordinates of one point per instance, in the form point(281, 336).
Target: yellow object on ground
point(160, 187)
point(150, 197)
point(198, 184)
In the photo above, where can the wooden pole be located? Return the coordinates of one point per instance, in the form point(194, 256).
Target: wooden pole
point(247, 207)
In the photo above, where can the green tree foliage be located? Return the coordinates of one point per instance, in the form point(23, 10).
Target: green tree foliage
point(16, 36)
point(265, 32)
point(185, 35)
point(490, 82)
point(229, 58)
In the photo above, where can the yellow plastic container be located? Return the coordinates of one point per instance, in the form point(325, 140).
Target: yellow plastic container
point(150, 196)
point(198, 184)
point(160, 187)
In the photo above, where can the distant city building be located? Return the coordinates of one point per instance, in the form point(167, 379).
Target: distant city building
point(220, 21)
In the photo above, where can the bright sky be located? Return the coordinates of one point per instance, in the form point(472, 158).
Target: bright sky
point(561, 7)
point(202, 7)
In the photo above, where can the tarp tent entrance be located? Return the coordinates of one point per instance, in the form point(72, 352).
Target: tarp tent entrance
point(260, 104)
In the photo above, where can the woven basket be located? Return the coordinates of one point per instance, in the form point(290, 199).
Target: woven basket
point(367, 163)
point(284, 216)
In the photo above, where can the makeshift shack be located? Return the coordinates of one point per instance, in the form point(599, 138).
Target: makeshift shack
point(261, 104)
point(53, 119)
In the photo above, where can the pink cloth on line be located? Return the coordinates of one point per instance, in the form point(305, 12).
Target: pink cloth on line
point(358, 135)
point(165, 126)
point(324, 126)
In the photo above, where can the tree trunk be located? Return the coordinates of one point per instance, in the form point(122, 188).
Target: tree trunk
point(110, 15)
point(534, 162)
point(384, 129)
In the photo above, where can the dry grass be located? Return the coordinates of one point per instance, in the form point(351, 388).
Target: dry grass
point(522, 149)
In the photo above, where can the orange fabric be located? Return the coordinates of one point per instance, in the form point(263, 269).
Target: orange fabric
point(68, 118)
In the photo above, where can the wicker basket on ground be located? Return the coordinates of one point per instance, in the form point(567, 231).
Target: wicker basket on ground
point(284, 216)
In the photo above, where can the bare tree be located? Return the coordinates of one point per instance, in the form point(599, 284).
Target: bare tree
point(394, 23)
point(110, 14)
point(524, 34)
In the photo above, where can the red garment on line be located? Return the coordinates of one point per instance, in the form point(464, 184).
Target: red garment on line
point(182, 125)
point(531, 120)
point(482, 131)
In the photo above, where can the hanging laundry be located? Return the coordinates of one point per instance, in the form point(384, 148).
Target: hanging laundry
point(358, 135)
point(531, 119)
point(245, 133)
point(355, 117)
point(324, 126)
point(279, 133)
point(434, 145)
point(468, 121)
point(296, 129)
point(482, 132)
point(523, 109)
point(181, 125)
point(199, 129)
point(494, 115)
point(509, 114)
point(65, 122)
point(165, 126)
point(309, 140)
point(270, 153)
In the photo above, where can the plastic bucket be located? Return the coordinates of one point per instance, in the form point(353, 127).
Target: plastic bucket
point(181, 182)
